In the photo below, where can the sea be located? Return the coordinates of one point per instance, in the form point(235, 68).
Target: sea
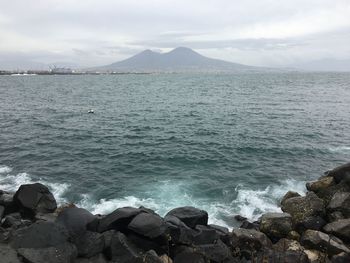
point(226, 143)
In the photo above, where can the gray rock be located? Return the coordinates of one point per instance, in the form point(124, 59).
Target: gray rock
point(100, 258)
point(191, 216)
point(64, 253)
point(189, 257)
point(2, 210)
point(341, 258)
point(249, 239)
point(339, 173)
point(34, 198)
point(148, 225)
point(217, 252)
point(327, 194)
point(118, 219)
point(288, 195)
point(340, 202)
point(75, 220)
point(122, 250)
point(321, 241)
point(89, 244)
point(339, 228)
point(276, 225)
point(269, 255)
point(39, 235)
point(301, 208)
point(320, 184)
point(8, 254)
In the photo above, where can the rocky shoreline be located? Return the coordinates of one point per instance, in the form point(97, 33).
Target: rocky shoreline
point(311, 228)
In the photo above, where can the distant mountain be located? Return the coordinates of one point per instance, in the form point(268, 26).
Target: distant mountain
point(180, 59)
point(325, 65)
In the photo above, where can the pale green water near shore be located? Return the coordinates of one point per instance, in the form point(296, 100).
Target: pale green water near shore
point(225, 143)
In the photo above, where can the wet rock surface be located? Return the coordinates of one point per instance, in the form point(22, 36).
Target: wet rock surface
point(311, 228)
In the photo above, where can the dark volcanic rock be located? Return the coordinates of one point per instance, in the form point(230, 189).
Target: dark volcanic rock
point(339, 173)
point(191, 216)
point(2, 210)
point(283, 257)
point(118, 219)
point(189, 257)
point(33, 198)
point(89, 244)
point(204, 235)
point(276, 225)
point(122, 250)
point(339, 228)
point(320, 241)
point(249, 225)
point(249, 240)
point(8, 254)
point(313, 222)
point(75, 220)
point(288, 195)
point(39, 235)
point(64, 253)
point(327, 194)
point(148, 225)
point(100, 258)
point(341, 258)
point(217, 252)
point(341, 203)
point(179, 232)
point(320, 184)
point(301, 208)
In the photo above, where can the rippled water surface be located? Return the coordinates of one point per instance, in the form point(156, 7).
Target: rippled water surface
point(226, 143)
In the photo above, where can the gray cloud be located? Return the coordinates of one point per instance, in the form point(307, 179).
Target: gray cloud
point(253, 32)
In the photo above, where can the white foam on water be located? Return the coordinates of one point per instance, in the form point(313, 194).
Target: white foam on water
point(253, 203)
point(11, 182)
point(5, 169)
point(342, 149)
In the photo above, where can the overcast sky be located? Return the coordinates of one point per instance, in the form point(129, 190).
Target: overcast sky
point(97, 32)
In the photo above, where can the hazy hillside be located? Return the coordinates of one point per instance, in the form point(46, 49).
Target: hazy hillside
point(178, 60)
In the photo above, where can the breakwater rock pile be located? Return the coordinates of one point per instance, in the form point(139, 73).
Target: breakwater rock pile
point(311, 228)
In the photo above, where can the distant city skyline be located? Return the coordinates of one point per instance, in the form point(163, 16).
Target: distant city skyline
point(258, 33)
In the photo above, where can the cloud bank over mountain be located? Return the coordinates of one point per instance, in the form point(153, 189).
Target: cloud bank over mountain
point(90, 33)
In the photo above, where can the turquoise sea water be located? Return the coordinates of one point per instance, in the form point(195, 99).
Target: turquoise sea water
point(226, 143)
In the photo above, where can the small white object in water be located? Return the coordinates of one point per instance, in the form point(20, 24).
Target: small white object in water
point(91, 111)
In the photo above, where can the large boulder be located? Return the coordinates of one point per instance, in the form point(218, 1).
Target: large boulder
point(179, 232)
point(321, 241)
point(340, 173)
point(288, 195)
point(64, 253)
point(269, 255)
point(326, 194)
point(100, 258)
point(118, 219)
point(75, 220)
point(39, 235)
point(320, 184)
point(191, 216)
point(8, 254)
point(301, 208)
point(276, 225)
point(190, 257)
point(341, 203)
point(248, 241)
point(339, 228)
point(89, 244)
point(122, 250)
point(148, 225)
point(34, 198)
point(217, 252)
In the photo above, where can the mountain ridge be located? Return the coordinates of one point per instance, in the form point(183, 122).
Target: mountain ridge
point(180, 59)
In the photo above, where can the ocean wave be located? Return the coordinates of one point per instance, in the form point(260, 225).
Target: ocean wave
point(11, 182)
point(341, 149)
